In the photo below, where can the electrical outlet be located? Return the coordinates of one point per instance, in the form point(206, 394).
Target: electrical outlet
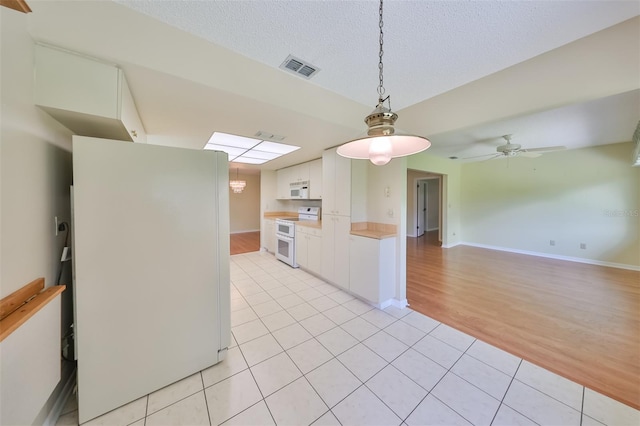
point(390, 212)
point(552, 242)
point(583, 246)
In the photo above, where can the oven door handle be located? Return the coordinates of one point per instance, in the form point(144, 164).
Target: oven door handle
point(285, 238)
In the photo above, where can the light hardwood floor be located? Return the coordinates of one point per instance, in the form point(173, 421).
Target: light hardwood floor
point(580, 321)
point(245, 242)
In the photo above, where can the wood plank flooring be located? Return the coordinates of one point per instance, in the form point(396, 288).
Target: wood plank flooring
point(580, 321)
point(245, 242)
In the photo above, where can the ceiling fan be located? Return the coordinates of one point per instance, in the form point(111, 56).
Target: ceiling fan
point(516, 150)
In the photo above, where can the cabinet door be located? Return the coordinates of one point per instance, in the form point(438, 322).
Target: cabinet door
point(342, 201)
point(328, 182)
point(270, 235)
point(341, 251)
point(282, 179)
point(364, 261)
point(302, 242)
point(315, 179)
point(129, 115)
point(328, 243)
point(300, 172)
point(314, 253)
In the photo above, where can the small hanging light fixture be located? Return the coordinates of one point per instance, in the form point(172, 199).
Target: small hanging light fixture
point(237, 186)
point(383, 141)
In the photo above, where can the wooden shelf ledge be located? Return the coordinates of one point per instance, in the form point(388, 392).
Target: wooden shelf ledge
point(22, 304)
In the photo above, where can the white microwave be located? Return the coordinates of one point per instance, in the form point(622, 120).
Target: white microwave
point(299, 190)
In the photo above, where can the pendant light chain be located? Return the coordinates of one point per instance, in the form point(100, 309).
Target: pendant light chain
point(380, 66)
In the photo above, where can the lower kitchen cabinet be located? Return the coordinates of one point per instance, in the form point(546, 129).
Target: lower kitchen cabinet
point(269, 240)
point(335, 249)
point(309, 248)
point(372, 268)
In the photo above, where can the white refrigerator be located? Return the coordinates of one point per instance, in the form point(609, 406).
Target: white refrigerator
point(151, 268)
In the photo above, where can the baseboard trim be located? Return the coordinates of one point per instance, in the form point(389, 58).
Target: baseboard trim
point(245, 231)
point(555, 256)
point(57, 408)
point(400, 304)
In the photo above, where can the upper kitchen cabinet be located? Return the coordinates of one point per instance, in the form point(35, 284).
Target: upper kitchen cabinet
point(89, 97)
point(315, 179)
point(310, 172)
point(336, 184)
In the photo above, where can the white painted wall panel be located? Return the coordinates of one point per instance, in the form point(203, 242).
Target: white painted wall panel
point(30, 366)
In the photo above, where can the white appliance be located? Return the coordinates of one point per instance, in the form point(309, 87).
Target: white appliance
point(151, 267)
point(286, 234)
point(299, 190)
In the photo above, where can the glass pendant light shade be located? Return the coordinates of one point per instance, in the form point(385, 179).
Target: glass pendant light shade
point(236, 185)
point(383, 141)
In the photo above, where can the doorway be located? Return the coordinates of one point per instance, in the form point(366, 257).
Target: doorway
point(428, 205)
point(424, 209)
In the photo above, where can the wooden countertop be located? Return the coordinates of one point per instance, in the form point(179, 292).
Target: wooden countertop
point(375, 230)
point(276, 215)
point(19, 306)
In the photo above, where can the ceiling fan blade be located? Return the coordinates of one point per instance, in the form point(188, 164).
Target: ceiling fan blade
point(477, 156)
point(496, 156)
point(545, 149)
point(529, 154)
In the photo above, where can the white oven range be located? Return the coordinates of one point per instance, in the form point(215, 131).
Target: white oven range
point(286, 234)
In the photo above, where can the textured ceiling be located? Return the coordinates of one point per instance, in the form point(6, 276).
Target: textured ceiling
point(465, 72)
point(430, 46)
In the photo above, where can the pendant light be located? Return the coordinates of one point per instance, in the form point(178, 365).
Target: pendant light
point(237, 186)
point(383, 141)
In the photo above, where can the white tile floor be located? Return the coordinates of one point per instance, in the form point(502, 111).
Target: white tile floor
point(305, 352)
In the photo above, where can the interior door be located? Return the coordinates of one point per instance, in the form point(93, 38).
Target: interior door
point(421, 208)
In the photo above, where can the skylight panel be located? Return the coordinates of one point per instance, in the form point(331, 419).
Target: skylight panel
point(233, 140)
point(232, 151)
point(248, 160)
point(248, 150)
point(279, 148)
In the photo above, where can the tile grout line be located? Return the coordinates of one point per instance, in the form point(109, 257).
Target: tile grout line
point(507, 391)
point(293, 362)
point(582, 406)
point(429, 391)
point(206, 402)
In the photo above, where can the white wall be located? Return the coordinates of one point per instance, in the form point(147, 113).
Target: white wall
point(35, 170)
point(244, 208)
point(589, 195)
point(433, 204)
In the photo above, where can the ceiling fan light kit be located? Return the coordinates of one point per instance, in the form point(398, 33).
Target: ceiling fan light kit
point(382, 140)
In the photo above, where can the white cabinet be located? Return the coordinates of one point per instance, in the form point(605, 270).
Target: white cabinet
point(336, 184)
point(372, 267)
point(335, 249)
point(282, 179)
point(269, 236)
point(315, 179)
point(310, 172)
point(89, 97)
point(299, 173)
point(309, 248)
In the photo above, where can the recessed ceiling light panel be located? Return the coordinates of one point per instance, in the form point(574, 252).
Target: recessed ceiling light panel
point(248, 150)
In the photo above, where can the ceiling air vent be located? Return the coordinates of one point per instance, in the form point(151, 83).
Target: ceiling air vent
point(299, 67)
